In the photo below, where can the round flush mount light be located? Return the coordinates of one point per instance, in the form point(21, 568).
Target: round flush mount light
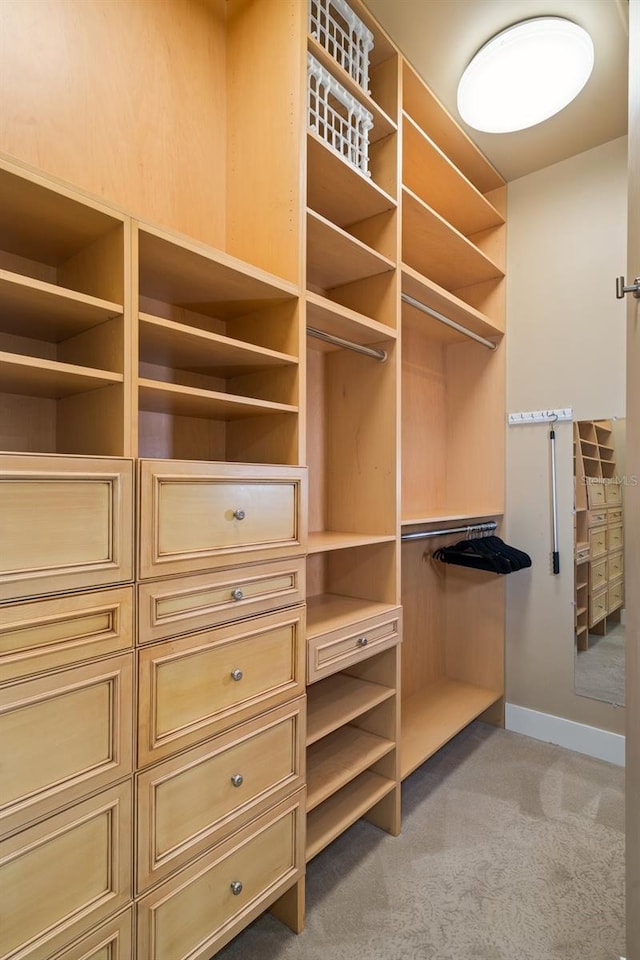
point(525, 74)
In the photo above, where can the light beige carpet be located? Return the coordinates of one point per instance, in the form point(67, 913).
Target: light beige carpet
point(511, 849)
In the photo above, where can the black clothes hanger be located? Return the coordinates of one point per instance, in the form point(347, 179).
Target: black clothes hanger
point(484, 553)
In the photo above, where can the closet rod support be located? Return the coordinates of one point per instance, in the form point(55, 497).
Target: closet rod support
point(450, 323)
point(469, 528)
point(380, 355)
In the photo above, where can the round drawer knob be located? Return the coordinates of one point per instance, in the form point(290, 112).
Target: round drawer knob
point(362, 641)
point(236, 674)
point(237, 779)
point(237, 594)
point(239, 514)
point(236, 887)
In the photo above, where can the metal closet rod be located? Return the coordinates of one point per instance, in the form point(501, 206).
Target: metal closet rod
point(469, 528)
point(340, 342)
point(450, 323)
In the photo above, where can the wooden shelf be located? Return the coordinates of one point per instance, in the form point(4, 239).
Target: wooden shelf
point(342, 322)
point(335, 815)
point(177, 345)
point(432, 295)
point(434, 715)
point(335, 701)
point(447, 518)
point(34, 377)
point(33, 308)
point(437, 250)
point(331, 611)
point(159, 397)
point(383, 125)
point(338, 758)
point(339, 192)
point(429, 173)
point(334, 257)
point(321, 541)
point(180, 271)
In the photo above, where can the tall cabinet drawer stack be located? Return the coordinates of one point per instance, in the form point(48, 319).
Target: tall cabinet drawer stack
point(66, 705)
point(219, 795)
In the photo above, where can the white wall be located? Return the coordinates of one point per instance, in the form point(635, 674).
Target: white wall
point(566, 348)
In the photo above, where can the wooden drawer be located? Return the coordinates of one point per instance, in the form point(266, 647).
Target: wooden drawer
point(615, 537)
point(113, 941)
point(597, 543)
point(615, 596)
point(596, 496)
point(329, 652)
point(66, 524)
point(597, 575)
point(615, 566)
point(64, 876)
point(197, 686)
point(63, 736)
point(613, 493)
point(188, 803)
point(596, 518)
point(614, 515)
point(582, 554)
point(196, 516)
point(195, 913)
point(47, 634)
point(597, 607)
point(168, 608)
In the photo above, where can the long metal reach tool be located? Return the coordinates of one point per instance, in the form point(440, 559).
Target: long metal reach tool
point(554, 500)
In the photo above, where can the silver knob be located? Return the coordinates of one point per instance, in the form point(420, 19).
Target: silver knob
point(362, 641)
point(239, 514)
point(236, 674)
point(236, 887)
point(237, 779)
point(237, 594)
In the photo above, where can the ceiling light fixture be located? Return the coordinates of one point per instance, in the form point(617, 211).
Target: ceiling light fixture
point(525, 74)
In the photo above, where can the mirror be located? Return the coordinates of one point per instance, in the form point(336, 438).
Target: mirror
point(599, 616)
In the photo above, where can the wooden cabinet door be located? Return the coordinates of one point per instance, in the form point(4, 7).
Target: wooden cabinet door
point(64, 876)
point(66, 523)
point(62, 736)
point(196, 686)
point(196, 516)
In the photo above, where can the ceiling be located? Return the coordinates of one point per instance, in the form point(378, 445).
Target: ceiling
point(439, 38)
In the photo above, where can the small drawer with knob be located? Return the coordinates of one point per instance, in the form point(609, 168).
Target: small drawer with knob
point(220, 785)
point(196, 516)
point(334, 650)
point(193, 687)
point(193, 914)
point(169, 608)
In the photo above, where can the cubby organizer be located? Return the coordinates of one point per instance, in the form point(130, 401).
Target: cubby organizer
point(343, 35)
point(337, 117)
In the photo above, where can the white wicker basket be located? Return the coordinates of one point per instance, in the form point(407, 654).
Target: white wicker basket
point(337, 117)
point(343, 35)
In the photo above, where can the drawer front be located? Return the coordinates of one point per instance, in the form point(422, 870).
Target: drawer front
point(596, 496)
point(62, 736)
point(613, 493)
point(64, 876)
point(113, 941)
point(598, 575)
point(597, 607)
point(596, 518)
point(194, 914)
point(188, 803)
point(614, 515)
point(582, 554)
point(615, 537)
point(615, 596)
point(597, 543)
point(168, 608)
point(66, 524)
point(196, 686)
point(48, 634)
point(330, 652)
point(195, 516)
point(615, 568)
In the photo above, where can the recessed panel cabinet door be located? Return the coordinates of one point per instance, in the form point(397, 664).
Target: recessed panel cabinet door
point(66, 523)
point(197, 516)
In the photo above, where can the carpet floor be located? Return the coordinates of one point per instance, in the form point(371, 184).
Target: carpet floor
point(511, 849)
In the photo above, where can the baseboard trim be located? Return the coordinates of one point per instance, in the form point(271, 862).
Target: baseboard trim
point(601, 744)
